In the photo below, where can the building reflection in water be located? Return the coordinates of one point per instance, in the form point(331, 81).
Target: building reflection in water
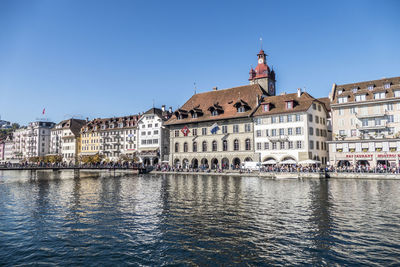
point(192, 219)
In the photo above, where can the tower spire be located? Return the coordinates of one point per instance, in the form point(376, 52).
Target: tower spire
point(261, 45)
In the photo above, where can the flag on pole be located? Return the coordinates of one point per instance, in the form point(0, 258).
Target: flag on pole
point(214, 128)
point(44, 110)
point(185, 130)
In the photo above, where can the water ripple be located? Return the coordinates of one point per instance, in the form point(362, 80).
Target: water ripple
point(100, 219)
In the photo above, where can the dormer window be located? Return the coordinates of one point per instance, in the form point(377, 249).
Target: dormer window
point(194, 115)
point(179, 117)
point(370, 87)
point(380, 95)
point(289, 104)
point(342, 100)
point(397, 93)
point(241, 109)
point(121, 125)
point(266, 107)
point(103, 127)
point(355, 89)
point(361, 98)
point(387, 85)
point(214, 113)
point(340, 92)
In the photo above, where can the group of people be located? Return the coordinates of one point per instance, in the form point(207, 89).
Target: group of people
point(380, 168)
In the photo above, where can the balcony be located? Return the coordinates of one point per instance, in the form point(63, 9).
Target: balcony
point(372, 127)
point(278, 138)
point(366, 116)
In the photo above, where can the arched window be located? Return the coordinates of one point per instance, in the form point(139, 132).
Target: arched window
point(214, 146)
point(204, 146)
point(176, 147)
point(185, 147)
point(225, 145)
point(194, 146)
point(248, 144)
point(236, 144)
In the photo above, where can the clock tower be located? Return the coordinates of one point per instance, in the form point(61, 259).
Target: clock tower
point(262, 75)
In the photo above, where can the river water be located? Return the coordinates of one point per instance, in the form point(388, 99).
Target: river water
point(97, 219)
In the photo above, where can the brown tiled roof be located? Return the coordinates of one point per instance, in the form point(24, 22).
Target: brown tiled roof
point(129, 121)
point(226, 99)
point(326, 101)
point(74, 125)
point(278, 104)
point(363, 89)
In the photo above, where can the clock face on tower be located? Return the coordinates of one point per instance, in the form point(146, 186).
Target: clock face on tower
point(260, 61)
point(271, 88)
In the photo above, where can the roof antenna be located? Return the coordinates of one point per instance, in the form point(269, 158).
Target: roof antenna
point(194, 84)
point(153, 102)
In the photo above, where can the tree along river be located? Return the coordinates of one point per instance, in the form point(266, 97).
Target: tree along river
point(98, 219)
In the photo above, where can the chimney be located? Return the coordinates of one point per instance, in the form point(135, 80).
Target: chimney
point(87, 119)
point(170, 110)
point(298, 92)
point(163, 108)
point(215, 88)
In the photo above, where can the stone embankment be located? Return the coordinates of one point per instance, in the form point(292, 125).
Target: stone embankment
point(301, 175)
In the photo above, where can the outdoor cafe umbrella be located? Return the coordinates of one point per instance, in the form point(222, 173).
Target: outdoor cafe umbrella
point(309, 162)
point(288, 161)
point(271, 161)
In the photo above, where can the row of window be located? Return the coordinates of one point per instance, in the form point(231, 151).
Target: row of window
point(280, 145)
point(150, 125)
point(290, 145)
point(128, 132)
point(86, 148)
point(369, 87)
point(214, 112)
point(155, 132)
point(214, 146)
point(279, 132)
point(363, 97)
point(377, 109)
point(223, 129)
point(354, 132)
point(149, 141)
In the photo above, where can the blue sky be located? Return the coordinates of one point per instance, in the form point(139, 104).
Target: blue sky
point(113, 58)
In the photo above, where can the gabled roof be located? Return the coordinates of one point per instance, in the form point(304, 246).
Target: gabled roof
point(326, 101)
point(278, 104)
point(164, 115)
point(226, 98)
point(74, 125)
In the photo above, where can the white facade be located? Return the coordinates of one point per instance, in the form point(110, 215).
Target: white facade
point(292, 135)
point(366, 123)
point(8, 150)
point(118, 141)
point(153, 145)
point(65, 139)
point(33, 140)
